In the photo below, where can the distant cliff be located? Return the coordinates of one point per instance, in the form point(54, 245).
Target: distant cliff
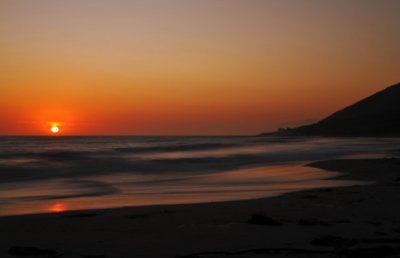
point(376, 115)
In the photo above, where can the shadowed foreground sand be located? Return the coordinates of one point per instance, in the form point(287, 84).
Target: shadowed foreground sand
point(356, 221)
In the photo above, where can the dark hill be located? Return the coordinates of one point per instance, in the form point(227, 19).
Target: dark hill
point(376, 115)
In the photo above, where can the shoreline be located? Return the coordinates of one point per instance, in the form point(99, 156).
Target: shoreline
point(308, 223)
point(246, 183)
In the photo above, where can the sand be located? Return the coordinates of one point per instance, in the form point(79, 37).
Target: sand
point(355, 221)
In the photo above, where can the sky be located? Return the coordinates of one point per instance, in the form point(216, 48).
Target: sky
point(225, 67)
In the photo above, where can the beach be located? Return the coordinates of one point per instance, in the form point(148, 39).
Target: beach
point(354, 221)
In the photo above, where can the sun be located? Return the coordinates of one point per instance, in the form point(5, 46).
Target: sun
point(55, 129)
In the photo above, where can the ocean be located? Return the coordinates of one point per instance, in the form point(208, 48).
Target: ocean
point(54, 174)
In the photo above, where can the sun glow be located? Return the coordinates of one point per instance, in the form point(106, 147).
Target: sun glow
point(55, 128)
point(58, 207)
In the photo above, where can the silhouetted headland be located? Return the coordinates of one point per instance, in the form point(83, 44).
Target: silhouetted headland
point(376, 115)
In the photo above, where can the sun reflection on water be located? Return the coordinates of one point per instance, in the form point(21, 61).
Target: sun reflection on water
point(58, 207)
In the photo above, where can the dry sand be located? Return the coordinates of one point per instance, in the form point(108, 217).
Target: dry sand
point(356, 221)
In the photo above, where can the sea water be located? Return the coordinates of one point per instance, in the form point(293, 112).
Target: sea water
point(53, 174)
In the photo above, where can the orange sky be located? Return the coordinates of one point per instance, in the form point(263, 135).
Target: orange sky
point(189, 67)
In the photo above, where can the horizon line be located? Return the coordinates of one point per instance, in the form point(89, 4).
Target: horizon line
point(136, 135)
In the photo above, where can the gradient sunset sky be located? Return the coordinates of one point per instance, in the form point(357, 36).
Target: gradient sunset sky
point(189, 67)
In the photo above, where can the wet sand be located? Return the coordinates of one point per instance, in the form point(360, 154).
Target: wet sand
point(353, 221)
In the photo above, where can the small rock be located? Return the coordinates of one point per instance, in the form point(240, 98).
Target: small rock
point(23, 251)
point(334, 241)
point(380, 233)
point(371, 252)
point(343, 221)
point(326, 190)
point(312, 222)
point(310, 196)
point(82, 215)
point(261, 219)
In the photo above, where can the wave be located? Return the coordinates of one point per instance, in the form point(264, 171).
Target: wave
point(36, 171)
point(109, 159)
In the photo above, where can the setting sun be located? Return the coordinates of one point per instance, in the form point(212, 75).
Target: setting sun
point(54, 128)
